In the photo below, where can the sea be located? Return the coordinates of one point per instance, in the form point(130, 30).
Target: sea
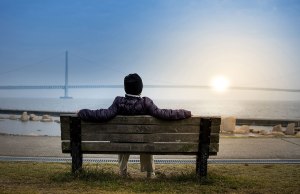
point(239, 108)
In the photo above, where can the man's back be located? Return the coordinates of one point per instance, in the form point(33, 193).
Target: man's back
point(132, 105)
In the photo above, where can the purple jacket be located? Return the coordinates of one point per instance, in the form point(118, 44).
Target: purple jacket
point(129, 105)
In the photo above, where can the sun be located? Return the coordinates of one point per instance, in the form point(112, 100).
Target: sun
point(220, 83)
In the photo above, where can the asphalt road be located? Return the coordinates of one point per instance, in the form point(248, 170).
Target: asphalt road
point(230, 148)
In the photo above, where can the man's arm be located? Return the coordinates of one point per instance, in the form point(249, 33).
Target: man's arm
point(99, 114)
point(167, 114)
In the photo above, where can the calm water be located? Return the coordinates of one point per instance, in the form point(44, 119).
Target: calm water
point(240, 109)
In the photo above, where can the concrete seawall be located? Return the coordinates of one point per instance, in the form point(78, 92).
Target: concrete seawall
point(239, 121)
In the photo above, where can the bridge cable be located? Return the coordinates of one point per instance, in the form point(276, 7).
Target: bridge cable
point(29, 65)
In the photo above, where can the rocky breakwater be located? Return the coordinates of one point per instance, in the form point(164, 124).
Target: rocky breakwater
point(25, 117)
point(46, 118)
point(229, 127)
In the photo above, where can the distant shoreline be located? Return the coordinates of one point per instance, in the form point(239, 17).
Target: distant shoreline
point(37, 112)
point(239, 121)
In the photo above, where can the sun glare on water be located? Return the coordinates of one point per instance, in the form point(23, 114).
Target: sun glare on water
point(220, 83)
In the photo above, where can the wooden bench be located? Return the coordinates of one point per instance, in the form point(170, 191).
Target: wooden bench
point(141, 134)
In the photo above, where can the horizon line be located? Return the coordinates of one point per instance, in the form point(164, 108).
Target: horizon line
point(20, 87)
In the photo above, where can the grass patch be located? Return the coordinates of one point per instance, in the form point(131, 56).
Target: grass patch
point(29, 177)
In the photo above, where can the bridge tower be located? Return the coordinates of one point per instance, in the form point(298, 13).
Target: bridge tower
point(66, 88)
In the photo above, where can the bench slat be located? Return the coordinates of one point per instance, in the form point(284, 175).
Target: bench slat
point(136, 148)
point(192, 137)
point(140, 128)
point(162, 137)
point(106, 128)
point(109, 128)
point(149, 120)
point(181, 137)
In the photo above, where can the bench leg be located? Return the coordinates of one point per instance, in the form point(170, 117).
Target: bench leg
point(203, 147)
point(76, 152)
point(76, 158)
point(201, 162)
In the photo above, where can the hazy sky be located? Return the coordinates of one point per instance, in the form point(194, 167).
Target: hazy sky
point(250, 42)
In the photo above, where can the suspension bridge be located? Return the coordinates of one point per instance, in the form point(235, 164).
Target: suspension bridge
point(67, 86)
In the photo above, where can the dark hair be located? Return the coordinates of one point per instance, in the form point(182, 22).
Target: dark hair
point(133, 84)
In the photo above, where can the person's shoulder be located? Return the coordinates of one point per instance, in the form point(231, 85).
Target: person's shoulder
point(147, 101)
point(146, 98)
point(118, 99)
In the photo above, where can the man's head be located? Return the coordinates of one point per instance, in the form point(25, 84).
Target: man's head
point(133, 84)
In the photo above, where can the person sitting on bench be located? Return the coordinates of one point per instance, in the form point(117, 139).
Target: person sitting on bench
point(133, 104)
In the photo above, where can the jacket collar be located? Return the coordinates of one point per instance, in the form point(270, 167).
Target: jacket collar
point(130, 95)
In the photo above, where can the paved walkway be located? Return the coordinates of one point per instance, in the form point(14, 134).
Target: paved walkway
point(230, 148)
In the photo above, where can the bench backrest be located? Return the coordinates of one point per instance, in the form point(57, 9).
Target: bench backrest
point(141, 134)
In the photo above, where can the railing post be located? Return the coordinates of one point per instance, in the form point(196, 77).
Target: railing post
point(203, 147)
point(75, 136)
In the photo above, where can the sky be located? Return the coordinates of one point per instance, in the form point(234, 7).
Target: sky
point(252, 43)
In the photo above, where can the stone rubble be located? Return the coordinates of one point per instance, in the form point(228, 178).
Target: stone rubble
point(46, 118)
point(277, 128)
point(228, 124)
point(33, 117)
point(228, 127)
point(264, 132)
point(24, 117)
point(277, 134)
point(244, 129)
point(255, 130)
point(290, 129)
